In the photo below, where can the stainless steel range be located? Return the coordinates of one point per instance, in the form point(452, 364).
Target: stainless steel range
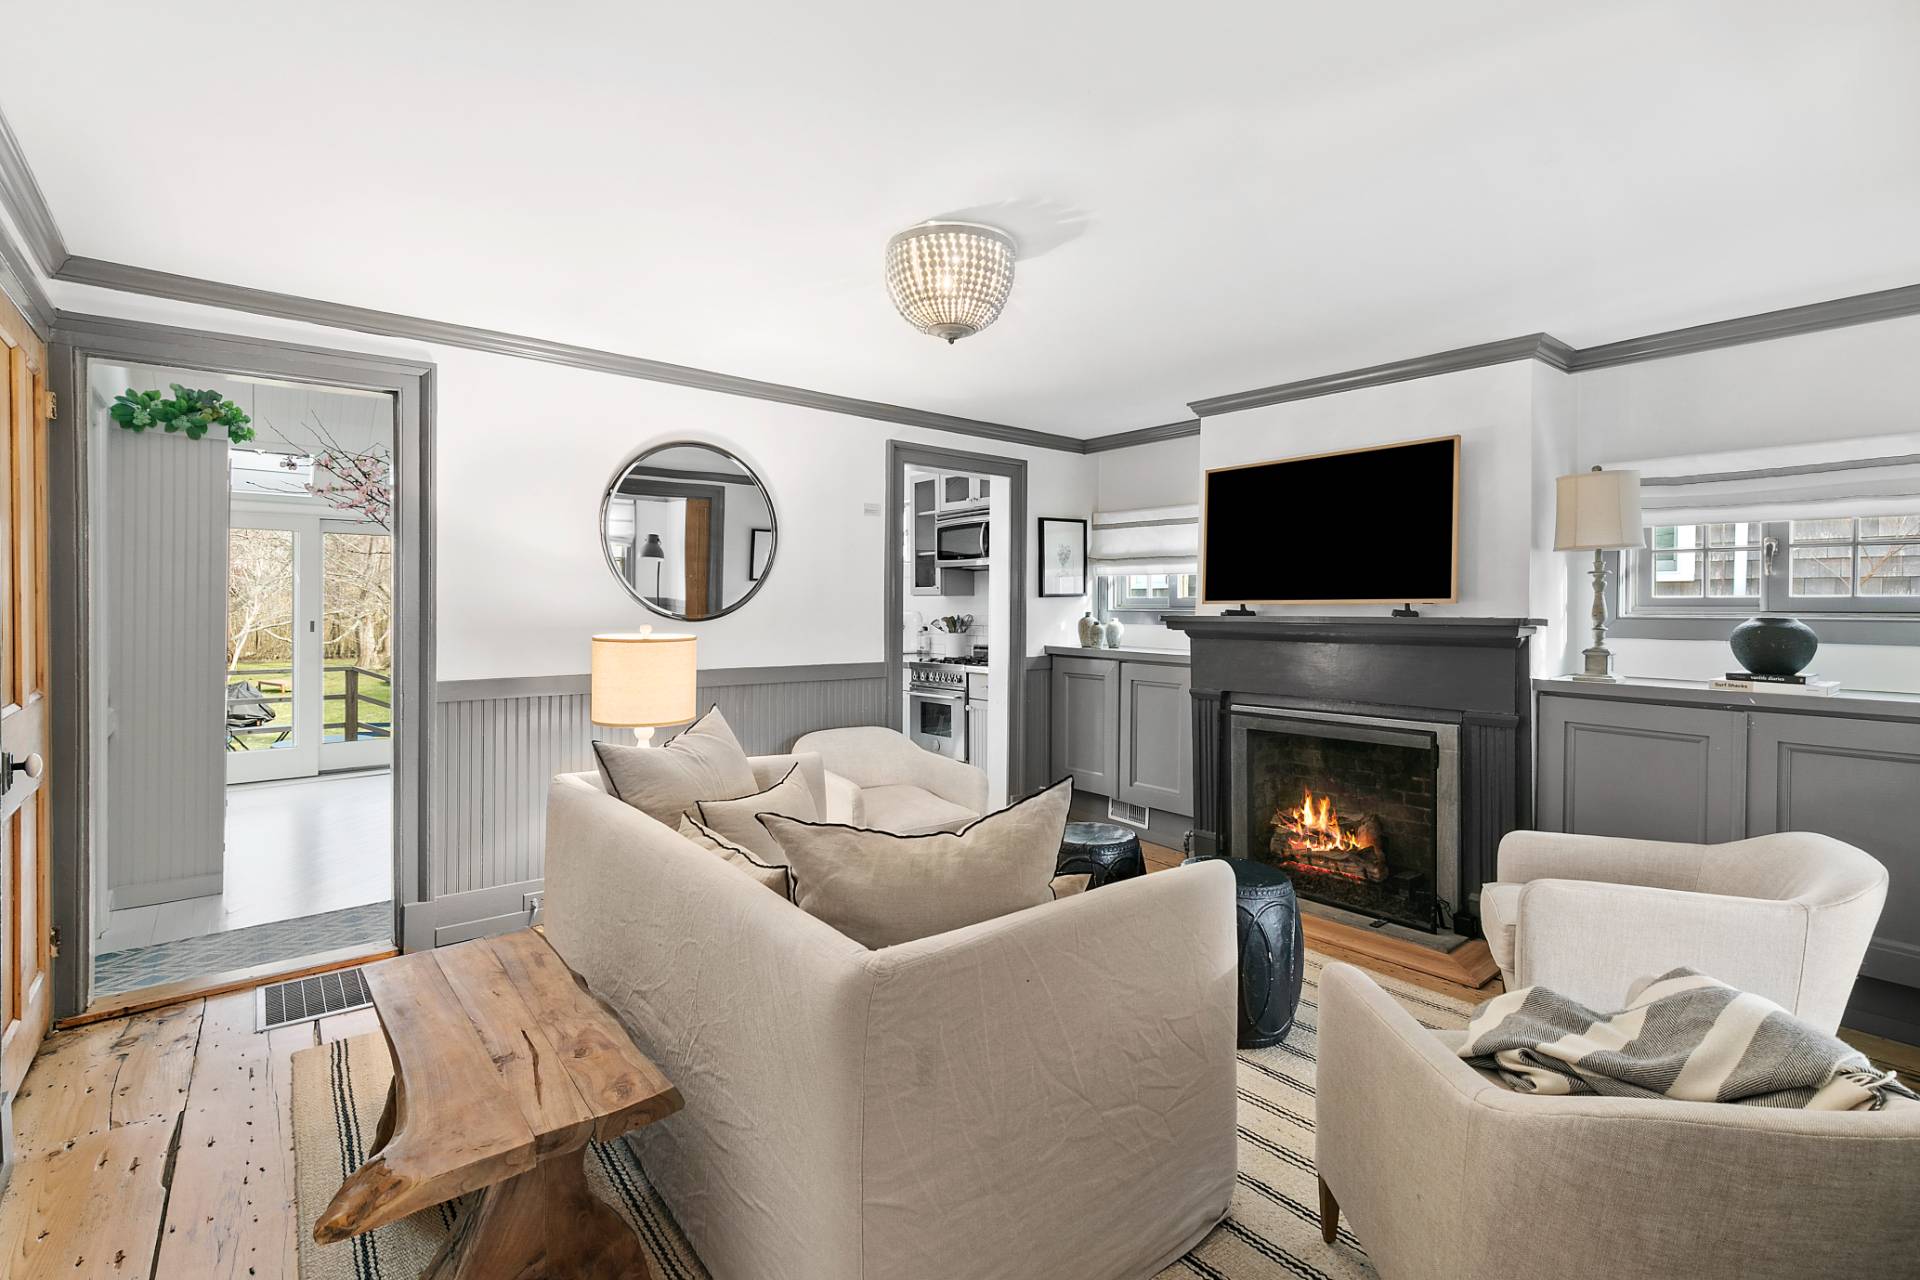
point(937, 703)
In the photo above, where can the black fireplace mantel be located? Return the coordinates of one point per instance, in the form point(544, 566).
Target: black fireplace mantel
point(1474, 672)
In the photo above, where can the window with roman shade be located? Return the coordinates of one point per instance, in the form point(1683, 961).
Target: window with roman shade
point(1827, 528)
point(1144, 562)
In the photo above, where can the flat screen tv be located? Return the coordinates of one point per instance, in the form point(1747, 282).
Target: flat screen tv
point(1364, 526)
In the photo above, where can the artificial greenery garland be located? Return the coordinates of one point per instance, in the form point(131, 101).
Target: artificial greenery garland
point(189, 411)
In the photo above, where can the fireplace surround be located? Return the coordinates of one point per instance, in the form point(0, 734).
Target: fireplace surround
point(1457, 689)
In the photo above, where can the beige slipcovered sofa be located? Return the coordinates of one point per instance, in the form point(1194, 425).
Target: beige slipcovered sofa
point(1047, 1094)
point(895, 785)
point(1785, 916)
point(1446, 1174)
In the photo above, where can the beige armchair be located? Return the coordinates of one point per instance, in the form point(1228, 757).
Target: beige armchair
point(1446, 1174)
point(893, 785)
point(1785, 916)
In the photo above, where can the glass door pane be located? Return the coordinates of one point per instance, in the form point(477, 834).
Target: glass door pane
point(356, 647)
point(261, 707)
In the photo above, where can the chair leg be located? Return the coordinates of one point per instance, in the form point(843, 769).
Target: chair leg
point(1329, 1213)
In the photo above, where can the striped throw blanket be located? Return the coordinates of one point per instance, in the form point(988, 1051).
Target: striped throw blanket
point(1682, 1035)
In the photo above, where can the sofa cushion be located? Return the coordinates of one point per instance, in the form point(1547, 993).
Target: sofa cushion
point(705, 762)
point(907, 810)
point(734, 819)
point(1499, 916)
point(705, 838)
point(881, 888)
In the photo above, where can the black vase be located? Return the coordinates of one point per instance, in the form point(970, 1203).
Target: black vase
point(1774, 646)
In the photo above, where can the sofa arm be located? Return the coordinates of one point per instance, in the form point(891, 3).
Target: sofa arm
point(1394, 1116)
point(843, 801)
point(961, 784)
point(1084, 1043)
point(1544, 855)
point(1590, 941)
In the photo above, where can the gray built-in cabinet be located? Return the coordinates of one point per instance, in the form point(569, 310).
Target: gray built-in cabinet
point(1123, 728)
point(1673, 761)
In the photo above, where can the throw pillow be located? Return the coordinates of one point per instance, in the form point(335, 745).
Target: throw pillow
point(734, 819)
point(704, 762)
point(880, 889)
point(774, 877)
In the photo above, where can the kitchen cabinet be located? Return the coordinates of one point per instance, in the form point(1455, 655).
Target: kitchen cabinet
point(1123, 730)
point(1156, 737)
point(960, 493)
point(1667, 760)
point(925, 505)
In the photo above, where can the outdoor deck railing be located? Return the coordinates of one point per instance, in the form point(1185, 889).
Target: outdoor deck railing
point(353, 697)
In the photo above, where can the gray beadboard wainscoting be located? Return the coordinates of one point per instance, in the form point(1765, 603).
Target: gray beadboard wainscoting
point(499, 742)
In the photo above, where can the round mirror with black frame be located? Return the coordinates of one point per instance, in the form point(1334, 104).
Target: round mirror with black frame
point(689, 530)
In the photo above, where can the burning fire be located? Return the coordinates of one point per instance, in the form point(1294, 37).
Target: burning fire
point(1314, 827)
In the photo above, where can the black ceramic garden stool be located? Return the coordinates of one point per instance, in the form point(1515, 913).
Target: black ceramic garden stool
point(1273, 952)
point(1102, 851)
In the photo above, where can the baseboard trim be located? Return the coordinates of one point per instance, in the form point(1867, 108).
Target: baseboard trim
point(149, 893)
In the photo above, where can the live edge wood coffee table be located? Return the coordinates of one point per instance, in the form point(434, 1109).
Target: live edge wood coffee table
point(504, 1068)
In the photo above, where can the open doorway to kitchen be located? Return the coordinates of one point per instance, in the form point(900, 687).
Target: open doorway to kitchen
point(245, 592)
point(956, 607)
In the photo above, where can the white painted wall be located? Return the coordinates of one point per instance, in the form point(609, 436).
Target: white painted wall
point(525, 451)
point(1166, 474)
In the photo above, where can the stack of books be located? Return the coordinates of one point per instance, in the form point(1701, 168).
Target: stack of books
point(1748, 682)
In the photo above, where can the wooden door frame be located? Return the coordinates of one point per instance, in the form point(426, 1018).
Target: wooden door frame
point(77, 341)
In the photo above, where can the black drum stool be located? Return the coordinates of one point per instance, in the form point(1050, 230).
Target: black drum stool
point(1101, 851)
point(1273, 951)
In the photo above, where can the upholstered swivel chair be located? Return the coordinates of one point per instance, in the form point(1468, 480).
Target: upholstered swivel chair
point(1784, 916)
point(893, 785)
point(1446, 1174)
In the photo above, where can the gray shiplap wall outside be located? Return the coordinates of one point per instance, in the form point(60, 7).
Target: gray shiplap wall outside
point(165, 623)
point(499, 742)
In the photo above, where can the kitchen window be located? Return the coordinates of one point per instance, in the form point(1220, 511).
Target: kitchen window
point(1864, 566)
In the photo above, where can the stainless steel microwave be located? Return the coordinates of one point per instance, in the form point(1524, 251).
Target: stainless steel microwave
point(961, 542)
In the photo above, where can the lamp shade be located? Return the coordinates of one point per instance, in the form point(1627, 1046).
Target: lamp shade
point(1597, 511)
point(642, 679)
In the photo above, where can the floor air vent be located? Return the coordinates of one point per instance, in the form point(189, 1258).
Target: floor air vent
point(304, 998)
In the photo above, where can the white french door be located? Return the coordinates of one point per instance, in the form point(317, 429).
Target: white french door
point(274, 686)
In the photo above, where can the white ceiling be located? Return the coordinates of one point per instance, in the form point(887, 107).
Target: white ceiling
point(1210, 197)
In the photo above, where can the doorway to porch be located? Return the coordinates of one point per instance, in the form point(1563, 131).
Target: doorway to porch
point(249, 669)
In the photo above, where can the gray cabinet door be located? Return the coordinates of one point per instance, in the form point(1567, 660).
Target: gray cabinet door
point(1857, 781)
point(1641, 770)
point(1086, 723)
point(1156, 737)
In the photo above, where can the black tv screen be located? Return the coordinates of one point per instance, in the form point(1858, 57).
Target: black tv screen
point(1369, 526)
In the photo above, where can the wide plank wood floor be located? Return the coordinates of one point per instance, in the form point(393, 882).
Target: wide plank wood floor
point(160, 1146)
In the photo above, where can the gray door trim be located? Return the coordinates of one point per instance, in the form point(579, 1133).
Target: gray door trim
point(81, 339)
point(902, 454)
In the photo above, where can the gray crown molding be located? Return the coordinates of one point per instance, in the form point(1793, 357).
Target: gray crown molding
point(1534, 346)
point(1839, 313)
point(1143, 435)
point(388, 324)
point(24, 202)
point(19, 281)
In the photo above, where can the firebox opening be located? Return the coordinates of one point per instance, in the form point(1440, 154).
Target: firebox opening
point(1350, 813)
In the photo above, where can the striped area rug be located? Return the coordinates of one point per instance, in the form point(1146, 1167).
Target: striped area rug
point(1271, 1231)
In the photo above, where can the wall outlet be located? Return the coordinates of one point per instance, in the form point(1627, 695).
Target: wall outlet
point(870, 509)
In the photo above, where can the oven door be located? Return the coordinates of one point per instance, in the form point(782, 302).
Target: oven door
point(937, 721)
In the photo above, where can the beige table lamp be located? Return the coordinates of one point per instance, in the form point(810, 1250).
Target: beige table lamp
point(643, 679)
point(1598, 511)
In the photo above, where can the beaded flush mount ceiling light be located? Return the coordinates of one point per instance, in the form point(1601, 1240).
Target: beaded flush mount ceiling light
point(950, 279)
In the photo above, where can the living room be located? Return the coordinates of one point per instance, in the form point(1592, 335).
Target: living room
point(1454, 529)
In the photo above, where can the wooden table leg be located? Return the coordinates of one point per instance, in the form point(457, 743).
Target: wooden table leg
point(544, 1224)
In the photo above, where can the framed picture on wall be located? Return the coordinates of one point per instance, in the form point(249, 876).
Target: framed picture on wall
point(1063, 556)
point(759, 552)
